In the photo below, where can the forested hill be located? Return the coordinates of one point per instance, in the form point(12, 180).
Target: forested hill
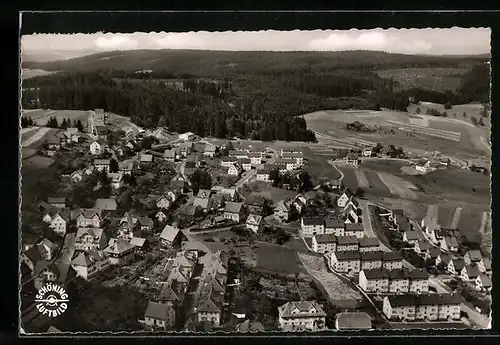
point(217, 63)
point(246, 94)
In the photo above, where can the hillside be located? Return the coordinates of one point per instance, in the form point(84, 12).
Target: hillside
point(226, 62)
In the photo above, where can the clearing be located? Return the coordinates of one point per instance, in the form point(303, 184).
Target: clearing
point(435, 78)
point(35, 139)
point(41, 116)
point(318, 167)
point(398, 186)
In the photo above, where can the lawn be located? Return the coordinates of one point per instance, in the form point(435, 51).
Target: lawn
point(445, 215)
point(271, 193)
point(274, 258)
point(318, 166)
point(469, 224)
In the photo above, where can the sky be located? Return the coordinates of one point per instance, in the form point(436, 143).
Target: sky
point(450, 41)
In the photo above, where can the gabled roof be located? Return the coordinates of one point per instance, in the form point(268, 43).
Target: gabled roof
point(475, 255)
point(208, 306)
point(204, 193)
point(433, 252)
point(282, 206)
point(233, 207)
point(347, 255)
point(249, 326)
point(168, 294)
point(47, 243)
point(376, 273)
point(118, 246)
point(169, 233)
point(33, 254)
point(331, 223)
point(255, 200)
point(96, 233)
point(325, 238)
point(307, 221)
point(137, 241)
point(354, 227)
point(254, 219)
point(101, 161)
point(202, 202)
point(108, 204)
point(392, 256)
point(400, 273)
point(88, 258)
point(303, 307)
point(458, 263)
point(371, 256)
point(472, 271)
point(158, 311)
point(353, 320)
point(346, 240)
point(412, 235)
point(423, 245)
point(369, 242)
point(89, 213)
point(485, 280)
point(42, 265)
point(418, 274)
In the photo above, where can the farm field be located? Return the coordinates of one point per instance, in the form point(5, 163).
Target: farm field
point(41, 116)
point(271, 193)
point(27, 73)
point(376, 185)
point(350, 180)
point(445, 216)
point(274, 258)
point(318, 167)
point(39, 137)
point(438, 79)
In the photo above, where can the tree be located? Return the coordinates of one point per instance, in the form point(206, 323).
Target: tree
point(480, 123)
point(447, 105)
point(78, 125)
point(378, 148)
point(418, 110)
point(474, 121)
point(52, 122)
point(200, 180)
point(465, 114)
point(113, 165)
point(274, 176)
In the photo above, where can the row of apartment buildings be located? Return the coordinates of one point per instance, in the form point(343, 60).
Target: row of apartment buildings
point(431, 307)
point(398, 281)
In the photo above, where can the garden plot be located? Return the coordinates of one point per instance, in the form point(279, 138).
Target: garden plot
point(36, 136)
point(398, 186)
point(456, 218)
point(432, 211)
point(361, 177)
point(445, 216)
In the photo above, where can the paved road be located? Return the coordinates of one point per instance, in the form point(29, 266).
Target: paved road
point(252, 172)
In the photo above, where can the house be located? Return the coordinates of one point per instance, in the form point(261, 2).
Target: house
point(297, 158)
point(421, 246)
point(455, 266)
point(120, 251)
point(285, 165)
point(125, 167)
point(402, 224)
point(186, 149)
point(430, 307)
point(255, 158)
point(303, 315)
point(186, 136)
point(160, 315)
point(449, 243)
point(228, 193)
point(411, 237)
point(475, 257)
point(76, 176)
point(374, 280)
point(72, 135)
point(89, 263)
point(196, 158)
point(399, 281)
point(346, 261)
point(429, 225)
point(228, 161)
point(161, 215)
point(367, 152)
point(234, 211)
point(254, 203)
point(369, 244)
point(116, 180)
point(443, 258)
point(31, 256)
point(351, 214)
point(469, 273)
point(423, 168)
point(47, 249)
point(347, 243)
point(170, 155)
point(483, 283)
point(392, 260)
point(239, 154)
point(343, 199)
point(233, 170)
point(282, 211)
point(324, 243)
point(352, 158)
point(312, 226)
point(419, 281)
point(263, 175)
point(254, 222)
point(355, 230)
point(145, 223)
point(169, 235)
point(105, 204)
point(60, 221)
point(189, 168)
point(189, 212)
point(353, 321)
point(433, 253)
point(295, 150)
point(335, 227)
point(299, 203)
point(58, 202)
point(96, 147)
point(210, 150)
point(249, 326)
point(89, 218)
point(245, 163)
point(371, 260)
point(164, 202)
point(101, 164)
point(145, 160)
point(90, 238)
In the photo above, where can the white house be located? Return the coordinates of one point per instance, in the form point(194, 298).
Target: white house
point(228, 161)
point(282, 211)
point(160, 315)
point(399, 281)
point(346, 262)
point(371, 260)
point(334, 226)
point(324, 243)
point(90, 238)
point(296, 157)
point(410, 237)
point(59, 223)
point(347, 243)
point(429, 225)
point(89, 263)
point(101, 164)
point(255, 158)
point(369, 244)
point(254, 222)
point(312, 226)
point(344, 198)
point(419, 281)
point(455, 266)
point(96, 148)
point(168, 235)
point(482, 283)
point(116, 180)
point(470, 273)
point(392, 260)
point(246, 164)
point(76, 176)
point(89, 218)
point(475, 257)
point(186, 136)
point(374, 280)
point(263, 175)
point(303, 315)
point(367, 152)
point(164, 202)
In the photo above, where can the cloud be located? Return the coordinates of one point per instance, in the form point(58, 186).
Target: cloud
point(372, 40)
point(180, 41)
point(116, 42)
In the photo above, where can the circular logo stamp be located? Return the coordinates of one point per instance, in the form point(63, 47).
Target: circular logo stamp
point(52, 300)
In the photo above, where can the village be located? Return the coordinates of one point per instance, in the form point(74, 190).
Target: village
point(187, 220)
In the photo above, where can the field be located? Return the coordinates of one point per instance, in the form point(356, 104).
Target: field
point(41, 116)
point(271, 193)
point(30, 73)
point(272, 258)
point(412, 132)
point(438, 79)
point(319, 168)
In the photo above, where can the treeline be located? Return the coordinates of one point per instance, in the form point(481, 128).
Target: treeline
point(152, 104)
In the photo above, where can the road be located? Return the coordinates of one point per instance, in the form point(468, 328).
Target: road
point(252, 172)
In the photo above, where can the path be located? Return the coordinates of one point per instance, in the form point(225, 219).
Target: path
point(484, 222)
point(35, 137)
point(432, 211)
point(456, 218)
